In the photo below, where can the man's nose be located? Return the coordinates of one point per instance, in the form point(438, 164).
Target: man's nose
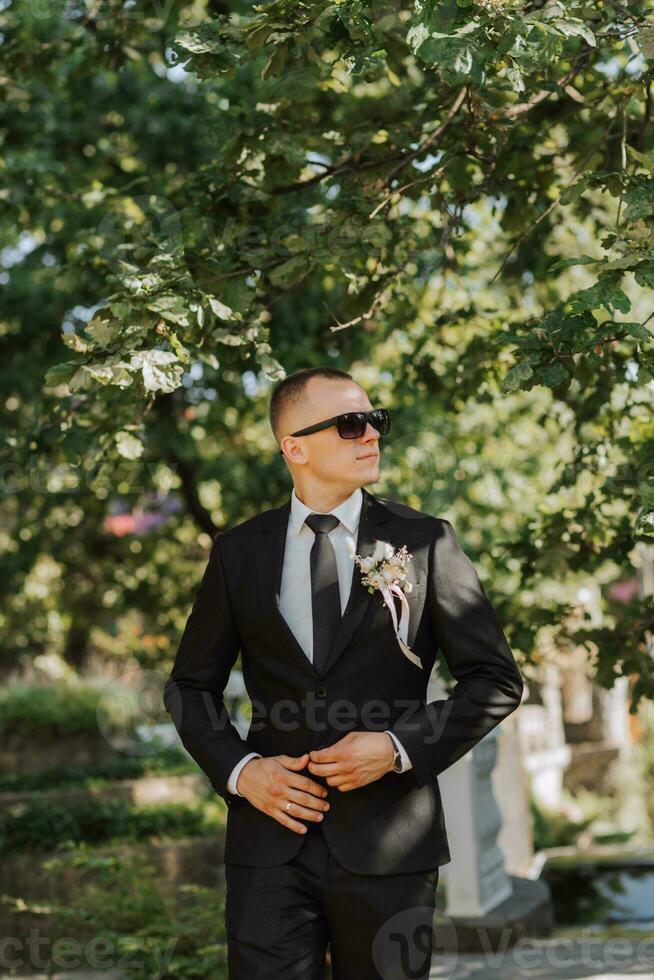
point(370, 431)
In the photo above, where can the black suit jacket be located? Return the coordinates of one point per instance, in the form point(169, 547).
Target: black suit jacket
point(394, 824)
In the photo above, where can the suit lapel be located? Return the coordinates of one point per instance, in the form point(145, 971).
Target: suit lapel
point(270, 563)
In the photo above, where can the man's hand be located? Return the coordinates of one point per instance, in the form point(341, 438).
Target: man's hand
point(355, 760)
point(270, 783)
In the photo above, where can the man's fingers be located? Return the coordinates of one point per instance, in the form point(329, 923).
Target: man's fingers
point(324, 755)
point(308, 799)
point(324, 768)
point(294, 762)
point(340, 781)
point(308, 785)
point(284, 815)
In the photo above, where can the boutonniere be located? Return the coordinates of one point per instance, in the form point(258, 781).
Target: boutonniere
point(386, 571)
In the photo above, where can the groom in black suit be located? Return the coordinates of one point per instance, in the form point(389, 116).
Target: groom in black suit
point(335, 830)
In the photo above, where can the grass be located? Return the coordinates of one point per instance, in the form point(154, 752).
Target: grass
point(124, 918)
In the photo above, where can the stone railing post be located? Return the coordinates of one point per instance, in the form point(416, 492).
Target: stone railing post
point(476, 878)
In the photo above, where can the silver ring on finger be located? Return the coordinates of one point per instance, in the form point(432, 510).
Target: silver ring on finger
point(288, 805)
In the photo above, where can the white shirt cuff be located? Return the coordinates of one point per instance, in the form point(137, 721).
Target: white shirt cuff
point(406, 761)
point(233, 776)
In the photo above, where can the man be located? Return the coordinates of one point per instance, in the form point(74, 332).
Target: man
point(335, 830)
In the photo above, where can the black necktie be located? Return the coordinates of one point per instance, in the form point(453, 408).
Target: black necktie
point(325, 594)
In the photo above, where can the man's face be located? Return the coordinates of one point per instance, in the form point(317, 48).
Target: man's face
point(325, 454)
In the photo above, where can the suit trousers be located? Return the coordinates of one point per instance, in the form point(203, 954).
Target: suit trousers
point(280, 919)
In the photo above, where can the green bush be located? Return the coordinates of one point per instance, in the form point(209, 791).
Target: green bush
point(552, 829)
point(170, 761)
point(50, 710)
point(37, 827)
point(149, 931)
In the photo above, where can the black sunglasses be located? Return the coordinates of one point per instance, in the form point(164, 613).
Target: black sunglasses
point(351, 425)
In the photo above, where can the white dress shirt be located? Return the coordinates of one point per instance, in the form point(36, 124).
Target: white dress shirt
point(295, 597)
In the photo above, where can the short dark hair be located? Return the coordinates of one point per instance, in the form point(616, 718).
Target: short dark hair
point(289, 391)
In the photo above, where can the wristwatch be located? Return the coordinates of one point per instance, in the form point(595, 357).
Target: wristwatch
point(397, 757)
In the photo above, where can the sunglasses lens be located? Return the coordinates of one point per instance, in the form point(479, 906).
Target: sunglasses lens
point(352, 425)
point(381, 420)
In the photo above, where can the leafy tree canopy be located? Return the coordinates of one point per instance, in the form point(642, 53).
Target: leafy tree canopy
point(454, 200)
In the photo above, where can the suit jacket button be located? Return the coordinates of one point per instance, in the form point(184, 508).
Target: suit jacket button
point(321, 691)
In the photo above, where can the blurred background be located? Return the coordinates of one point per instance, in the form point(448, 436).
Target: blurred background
point(452, 201)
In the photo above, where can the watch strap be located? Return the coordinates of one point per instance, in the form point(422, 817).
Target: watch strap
point(397, 756)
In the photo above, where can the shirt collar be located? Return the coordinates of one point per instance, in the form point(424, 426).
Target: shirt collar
point(348, 511)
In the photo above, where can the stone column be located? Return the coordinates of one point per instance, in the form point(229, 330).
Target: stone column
point(476, 877)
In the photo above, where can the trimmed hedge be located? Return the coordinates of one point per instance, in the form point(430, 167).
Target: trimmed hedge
point(170, 761)
point(51, 710)
point(36, 827)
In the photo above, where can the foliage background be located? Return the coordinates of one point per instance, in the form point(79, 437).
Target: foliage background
point(452, 200)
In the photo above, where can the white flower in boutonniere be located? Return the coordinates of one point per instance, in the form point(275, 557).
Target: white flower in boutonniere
point(386, 570)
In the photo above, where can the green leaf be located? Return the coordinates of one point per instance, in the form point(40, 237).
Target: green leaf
point(459, 55)
point(270, 367)
point(614, 183)
point(515, 76)
point(291, 272)
point(416, 37)
point(575, 260)
point(516, 376)
point(575, 190)
point(572, 27)
point(198, 309)
point(76, 343)
point(233, 338)
point(60, 374)
point(160, 369)
point(640, 199)
point(637, 330)
point(232, 299)
point(606, 292)
point(645, 158)
point(103, 332)
point(194, 42)
point(180, 351)
point(644, 274)
point(645, 521)
point(210, 39)
point(110, 372)
point(626, 262)
point(221, 310)
point(276, 62)
point(552, 374)
point(209, 358)
point(171, 308)
point(121, 310)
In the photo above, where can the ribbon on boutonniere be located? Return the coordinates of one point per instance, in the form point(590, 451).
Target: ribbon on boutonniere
point(386, 571)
